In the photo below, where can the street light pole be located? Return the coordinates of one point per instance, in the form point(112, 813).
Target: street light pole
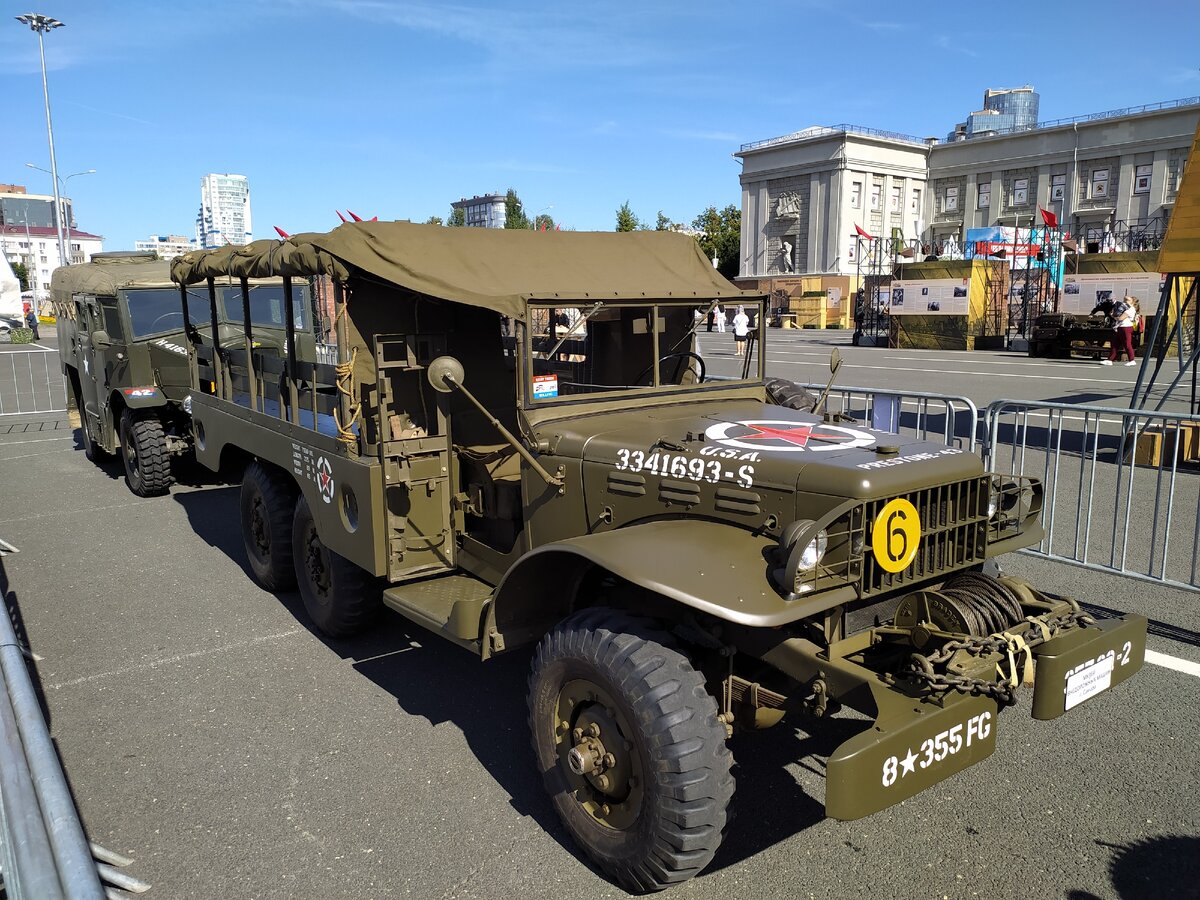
point(63, 207)
point(41, 24)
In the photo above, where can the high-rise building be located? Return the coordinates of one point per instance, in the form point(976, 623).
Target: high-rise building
point(482, 212)
point(19, 207)
point(224, 216)
point(1005, 110)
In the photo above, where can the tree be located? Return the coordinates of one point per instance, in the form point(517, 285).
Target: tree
point(663, 223)
point(543, 222)
point(514, 211)
point(720, 235)
point(458, 217)
point(434, 220)
point(22, 275)
point(626, 220)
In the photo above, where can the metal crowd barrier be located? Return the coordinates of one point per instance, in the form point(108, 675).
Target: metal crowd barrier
point(953, 419)
point(1121, 487)
point(43, 850)
point(31, 381)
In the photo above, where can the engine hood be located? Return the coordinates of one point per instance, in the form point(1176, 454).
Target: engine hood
point(783, 447)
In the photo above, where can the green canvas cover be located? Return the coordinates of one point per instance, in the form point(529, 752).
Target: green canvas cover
point(497, 269)
point(104, 277)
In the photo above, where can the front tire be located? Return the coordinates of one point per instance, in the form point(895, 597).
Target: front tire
point(144, 453)
point(338, 596)
point(634, 756)
point(267, 504)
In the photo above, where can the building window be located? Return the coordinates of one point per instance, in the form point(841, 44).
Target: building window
point(1141, 179)
point(985, 195)
point(895, 198)
point(1099, 183)
point(856, 194)
point(1020, 194)
point(1058, 186)
point(876, 196)
point(916, 201)
point(950, 200)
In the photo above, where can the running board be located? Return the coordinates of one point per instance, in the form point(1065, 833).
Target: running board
point(451, 606)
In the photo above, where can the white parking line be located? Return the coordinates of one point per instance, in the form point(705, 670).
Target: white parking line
point(1185, 666)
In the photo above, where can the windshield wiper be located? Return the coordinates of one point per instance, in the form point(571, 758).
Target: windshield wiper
point(582, 320)
point(704, 318)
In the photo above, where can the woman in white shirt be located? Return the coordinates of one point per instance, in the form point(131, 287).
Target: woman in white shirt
point(741, 331)
point(1122, 341)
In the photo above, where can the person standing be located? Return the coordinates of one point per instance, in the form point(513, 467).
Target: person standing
point(1126, 314)
point(31, 320)
point(741, 331)
point(721, 319)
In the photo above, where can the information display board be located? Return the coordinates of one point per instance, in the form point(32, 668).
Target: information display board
point(1081, 293)
point(930, 297)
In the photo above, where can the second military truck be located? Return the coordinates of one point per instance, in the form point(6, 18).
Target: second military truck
point(124, 354)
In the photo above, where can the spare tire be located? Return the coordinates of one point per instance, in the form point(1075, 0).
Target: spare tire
point(782, 392)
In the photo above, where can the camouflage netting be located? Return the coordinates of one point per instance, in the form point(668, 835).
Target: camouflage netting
point(492, 268)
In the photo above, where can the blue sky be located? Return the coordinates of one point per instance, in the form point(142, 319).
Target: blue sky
point(395, 108)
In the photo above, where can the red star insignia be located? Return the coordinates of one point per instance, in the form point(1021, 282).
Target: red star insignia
point(799, 435)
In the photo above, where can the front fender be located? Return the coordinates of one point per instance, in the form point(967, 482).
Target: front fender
point(147, 397)
point(708, 566)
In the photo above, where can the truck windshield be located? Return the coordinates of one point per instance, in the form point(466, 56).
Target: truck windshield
point(267, 305)
point(613, 348)
point(158, 310)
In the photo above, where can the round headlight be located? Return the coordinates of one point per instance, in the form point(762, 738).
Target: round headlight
point(803, 559)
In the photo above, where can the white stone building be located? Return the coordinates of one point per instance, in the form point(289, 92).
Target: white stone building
point(1108, 178)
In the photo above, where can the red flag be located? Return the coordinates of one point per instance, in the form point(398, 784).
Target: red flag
point(558, 228)
point(1049, 218)
point(340, 216)
point(374, 218)
point(862, 233)
point(353, 216)
point(283, 234)
point(543, 228)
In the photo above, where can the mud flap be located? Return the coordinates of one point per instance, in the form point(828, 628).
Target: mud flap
point(1086, 662)
point(907, 753)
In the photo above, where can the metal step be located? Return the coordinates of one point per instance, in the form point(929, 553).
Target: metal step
point(452, 606)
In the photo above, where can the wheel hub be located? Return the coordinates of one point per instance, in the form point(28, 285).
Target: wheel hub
point(603, 764)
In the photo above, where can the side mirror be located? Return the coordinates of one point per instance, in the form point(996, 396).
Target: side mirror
point(835, 361)
point(101, 340)
point(445, 374)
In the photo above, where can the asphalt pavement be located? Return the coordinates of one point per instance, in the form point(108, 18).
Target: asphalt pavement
point(213, 736)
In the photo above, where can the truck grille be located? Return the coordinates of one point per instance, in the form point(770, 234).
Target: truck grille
point(953, 534)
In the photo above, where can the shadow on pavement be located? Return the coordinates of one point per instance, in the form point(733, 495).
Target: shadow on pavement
point(440, 682)
point(1165, 866)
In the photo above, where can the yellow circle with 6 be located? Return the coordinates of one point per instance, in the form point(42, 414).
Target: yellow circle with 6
point(896, 535)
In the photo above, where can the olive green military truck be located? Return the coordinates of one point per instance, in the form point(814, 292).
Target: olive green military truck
point(520, 444)
point(123, 353)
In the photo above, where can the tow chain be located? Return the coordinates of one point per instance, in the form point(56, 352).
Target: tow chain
point(1013, 650)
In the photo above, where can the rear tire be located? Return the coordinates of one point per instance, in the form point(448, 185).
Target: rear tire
point(268, 502)
point(144, 453)
point(654, 809)
point(339, 597)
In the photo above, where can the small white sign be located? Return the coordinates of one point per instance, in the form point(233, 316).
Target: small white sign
point(545, 386)
point(1089, 682)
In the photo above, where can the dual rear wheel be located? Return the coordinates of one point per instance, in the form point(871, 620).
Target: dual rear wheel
point(284, 552)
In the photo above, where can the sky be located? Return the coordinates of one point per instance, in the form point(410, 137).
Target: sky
point(395, 109)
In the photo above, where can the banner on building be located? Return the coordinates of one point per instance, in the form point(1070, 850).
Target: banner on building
point(930, 297)
point(1081, 293)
